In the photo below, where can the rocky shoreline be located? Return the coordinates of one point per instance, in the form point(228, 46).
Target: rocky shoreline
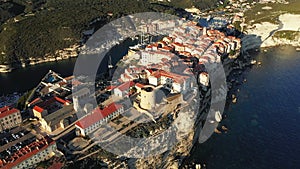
point(273, 42)
point(235, 77)
point(63, 54)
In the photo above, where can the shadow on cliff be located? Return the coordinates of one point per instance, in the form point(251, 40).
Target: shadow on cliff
point(250, 42)
point(250, 47)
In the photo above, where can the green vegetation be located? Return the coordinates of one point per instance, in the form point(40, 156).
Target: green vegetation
point(180, 3)
point(59, 24)
point(289, 35)
point(9, 10)
point(12, 8)
point(22, 100)
point(232, 52)
point(41, 27)
point(201, 4)
point(258, 15)
point(237, 25)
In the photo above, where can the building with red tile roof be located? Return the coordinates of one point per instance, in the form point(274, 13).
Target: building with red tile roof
point(30, 155)
point(178, 46)
point(154, 57)
point(168, 39)
point(126, 77)
point(49, 106)
point(123, 89)
point(9, 118)
point(97, 117)
point(178, 82)
point(139, 87)
point(52, 112)
point(110, 88)
point(167, 48)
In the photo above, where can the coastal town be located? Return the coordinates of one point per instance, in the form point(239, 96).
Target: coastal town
point(60, 123)
point(156, 83)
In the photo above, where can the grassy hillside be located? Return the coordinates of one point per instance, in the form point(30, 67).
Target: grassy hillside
point(257, 14)
point(43, 26)
point(201, 4)
point(289, 35)
point(58, 24)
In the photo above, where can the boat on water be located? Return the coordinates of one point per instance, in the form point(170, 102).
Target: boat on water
point(198, 166)
point(298, 49)
point(253, 62)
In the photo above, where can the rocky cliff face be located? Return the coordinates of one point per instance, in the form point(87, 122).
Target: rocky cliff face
point(176, 156)
point(173, 158)
point(266, 34)
point(274, 41)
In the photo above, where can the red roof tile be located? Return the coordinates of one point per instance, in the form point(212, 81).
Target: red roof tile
point(35, 101)
point(110, 87)
point(69, 78)
point(38, 109)
point(204, 73)
point(139, 85)
point(27, 152)
point(5, 111)
point(167, 48)
point(62, 83)
point(1, 163)
point(176, 77)
point(97, 115)
point(177, 44)
point(44, 105)
point(76, 82)
point(5, 108)
point(62, 101)
point(149, 70)
point(125, 86)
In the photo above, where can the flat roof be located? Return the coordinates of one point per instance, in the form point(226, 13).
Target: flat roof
point(57, 116)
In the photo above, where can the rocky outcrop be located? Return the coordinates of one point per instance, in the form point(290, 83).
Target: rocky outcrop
point(281, 41)
point(266, 31)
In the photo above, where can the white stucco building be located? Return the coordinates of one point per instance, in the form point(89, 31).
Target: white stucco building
point(91, 122)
